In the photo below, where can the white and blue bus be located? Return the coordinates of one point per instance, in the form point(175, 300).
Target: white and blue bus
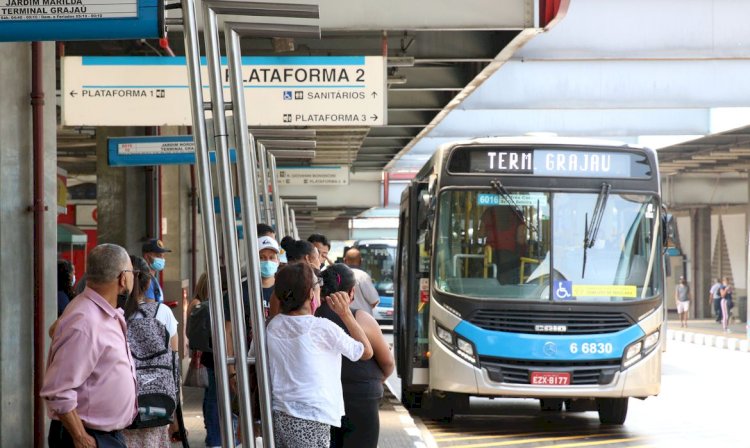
point(531, 268)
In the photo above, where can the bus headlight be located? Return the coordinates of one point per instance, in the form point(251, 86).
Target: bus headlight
point(632, 354)
point(444, 335)
point(650, 341)
point(465, 350)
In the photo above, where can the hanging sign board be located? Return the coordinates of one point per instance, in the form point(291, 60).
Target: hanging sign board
point(159, 150)
point(37, 20)
point(279, 91)
point(313, 175)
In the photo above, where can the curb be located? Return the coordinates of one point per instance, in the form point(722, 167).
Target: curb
point(709, 340)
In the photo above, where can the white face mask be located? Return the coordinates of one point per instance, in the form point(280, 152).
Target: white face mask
point(73, 280)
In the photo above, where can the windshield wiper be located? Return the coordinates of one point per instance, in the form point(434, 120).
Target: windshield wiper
point(498, 186)
point(590, 231)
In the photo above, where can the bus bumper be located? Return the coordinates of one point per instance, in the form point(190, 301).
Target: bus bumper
point(642, 379)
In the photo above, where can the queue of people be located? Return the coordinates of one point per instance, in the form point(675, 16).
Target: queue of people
point(327, 355)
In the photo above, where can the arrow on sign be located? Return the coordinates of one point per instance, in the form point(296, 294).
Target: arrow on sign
point(374, 94)
point(73, 93)
point(374, 117)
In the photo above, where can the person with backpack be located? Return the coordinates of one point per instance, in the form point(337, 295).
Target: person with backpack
point(152, 338)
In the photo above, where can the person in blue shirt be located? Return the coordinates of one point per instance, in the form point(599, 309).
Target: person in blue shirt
point(153, 252)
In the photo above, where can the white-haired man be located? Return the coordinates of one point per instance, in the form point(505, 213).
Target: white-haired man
point(90, 383)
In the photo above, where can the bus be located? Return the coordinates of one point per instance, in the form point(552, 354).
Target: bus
point(531, 268)
point(378, 259)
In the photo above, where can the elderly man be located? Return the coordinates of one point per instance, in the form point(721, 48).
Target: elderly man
point(366, 297)
point(90, 383)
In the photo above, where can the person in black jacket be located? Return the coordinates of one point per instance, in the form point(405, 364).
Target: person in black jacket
point(362, 381)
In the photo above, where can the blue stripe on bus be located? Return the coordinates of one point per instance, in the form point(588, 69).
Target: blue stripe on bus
point(385, 301)
point(552, 347)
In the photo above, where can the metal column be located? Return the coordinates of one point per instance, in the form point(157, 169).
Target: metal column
point(263, 156)
point(211, 244)
point(248, 192)
point(278, 205)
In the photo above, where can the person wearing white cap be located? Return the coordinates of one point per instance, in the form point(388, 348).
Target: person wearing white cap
point(268, 252)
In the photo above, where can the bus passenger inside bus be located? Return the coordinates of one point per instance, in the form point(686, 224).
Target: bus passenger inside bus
point(504, 230)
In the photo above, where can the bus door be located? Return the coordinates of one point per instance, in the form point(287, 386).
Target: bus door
point(411, 311)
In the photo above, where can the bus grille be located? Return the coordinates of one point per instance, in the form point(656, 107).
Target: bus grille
point(518, 371)
point(527, 321)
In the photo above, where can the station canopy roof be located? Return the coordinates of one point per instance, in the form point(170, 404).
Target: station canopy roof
point(725, 152)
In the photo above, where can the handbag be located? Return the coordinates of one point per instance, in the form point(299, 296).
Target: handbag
point(197, 374)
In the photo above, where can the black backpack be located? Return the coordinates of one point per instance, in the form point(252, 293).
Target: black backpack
point(155, 367)
point(199, 328)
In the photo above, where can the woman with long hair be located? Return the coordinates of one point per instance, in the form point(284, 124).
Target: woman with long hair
point(304, 354)
point(157, 437)
point(66, 278)
point(296, 251)
point(362, 380)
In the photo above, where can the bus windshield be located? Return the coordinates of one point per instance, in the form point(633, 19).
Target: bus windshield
point(378, 260)
point(581, 247)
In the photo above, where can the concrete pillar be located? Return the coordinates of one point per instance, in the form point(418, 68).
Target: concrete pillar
point(701, 263)
point(16, 235)
point(120, 197)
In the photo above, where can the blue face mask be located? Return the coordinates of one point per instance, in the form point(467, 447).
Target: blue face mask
point(268, 268)
point(158, 264)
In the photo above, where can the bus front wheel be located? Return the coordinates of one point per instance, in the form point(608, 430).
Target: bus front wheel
point(442, 406)
point(411, 399)
point(612, 411)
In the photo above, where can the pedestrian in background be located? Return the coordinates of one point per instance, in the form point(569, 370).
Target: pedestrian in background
point(682, 299)
point(726, 303)
point(66, 278)
point(714, 297)
point(366, 297)
point(90, 382)
point(324, 246)
point(153, 252)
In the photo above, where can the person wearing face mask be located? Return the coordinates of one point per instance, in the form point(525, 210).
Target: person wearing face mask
point(268, 252)
point(297, 251)
point(89, 363)
point(304, 359)
point(158, 436)
point(153, 252)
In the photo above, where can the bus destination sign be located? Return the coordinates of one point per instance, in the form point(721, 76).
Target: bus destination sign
point(550, 162)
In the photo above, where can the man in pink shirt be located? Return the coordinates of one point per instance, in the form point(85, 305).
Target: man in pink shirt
point(90, 385)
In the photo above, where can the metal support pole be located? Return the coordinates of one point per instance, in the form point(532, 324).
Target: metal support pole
point(192, 58)
point(229, 226)
point(246, 169)
point(293, 216)
point(264, 180)
point(288, 220)
point(277, 202)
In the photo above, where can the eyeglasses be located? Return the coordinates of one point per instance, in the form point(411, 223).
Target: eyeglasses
point(133, 271)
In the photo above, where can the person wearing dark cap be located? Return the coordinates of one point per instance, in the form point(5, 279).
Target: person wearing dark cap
point(153, 253)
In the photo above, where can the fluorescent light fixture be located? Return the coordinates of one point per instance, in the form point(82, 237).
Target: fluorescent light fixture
point(297, 154)
point(400, 61)
point(397, 79)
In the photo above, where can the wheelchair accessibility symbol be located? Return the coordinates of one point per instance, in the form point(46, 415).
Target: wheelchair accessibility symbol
point(563, 290)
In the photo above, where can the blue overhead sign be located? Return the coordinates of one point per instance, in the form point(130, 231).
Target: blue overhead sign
point(161, 150)
point(39, 20)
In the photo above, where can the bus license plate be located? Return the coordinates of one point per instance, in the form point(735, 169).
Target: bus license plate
point(550, 378)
